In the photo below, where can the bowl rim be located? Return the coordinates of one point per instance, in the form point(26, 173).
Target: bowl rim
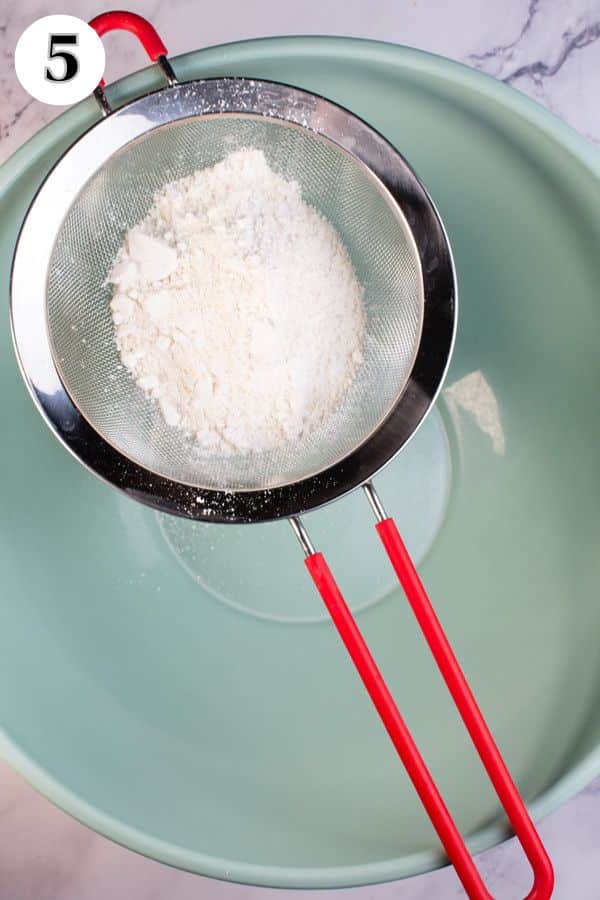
point(567, 785)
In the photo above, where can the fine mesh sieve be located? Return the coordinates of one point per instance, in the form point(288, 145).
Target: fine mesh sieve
point(80, 324)
point(65, 344)
point(106, 183)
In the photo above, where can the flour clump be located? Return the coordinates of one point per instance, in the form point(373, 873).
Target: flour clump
point(237, 309)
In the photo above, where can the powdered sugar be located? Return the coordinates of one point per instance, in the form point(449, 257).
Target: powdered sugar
point(237, 309)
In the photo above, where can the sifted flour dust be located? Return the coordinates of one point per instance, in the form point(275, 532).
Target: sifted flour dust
point(236, 307)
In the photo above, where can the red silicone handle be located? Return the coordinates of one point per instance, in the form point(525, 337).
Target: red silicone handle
point(119, 19)
point(466, 704)
point(405, 746)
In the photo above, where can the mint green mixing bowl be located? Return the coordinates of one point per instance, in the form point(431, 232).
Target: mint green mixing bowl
point(161, 687)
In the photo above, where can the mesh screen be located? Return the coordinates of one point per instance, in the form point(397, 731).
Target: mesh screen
point(120, 194)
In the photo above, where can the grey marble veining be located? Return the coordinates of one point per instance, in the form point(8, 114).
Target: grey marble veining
point(554, 58)
point(547, 48)
point(550, 49)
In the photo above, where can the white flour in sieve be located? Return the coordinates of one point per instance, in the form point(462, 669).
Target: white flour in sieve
point(237, 309)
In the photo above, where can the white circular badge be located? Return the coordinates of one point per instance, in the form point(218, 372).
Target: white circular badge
point(59, 60)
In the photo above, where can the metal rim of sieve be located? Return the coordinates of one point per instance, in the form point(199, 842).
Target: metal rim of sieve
point(249, 97)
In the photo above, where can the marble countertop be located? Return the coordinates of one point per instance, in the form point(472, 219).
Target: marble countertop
point(550, 49)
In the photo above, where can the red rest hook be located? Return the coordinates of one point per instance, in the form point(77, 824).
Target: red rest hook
point(137, 25)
